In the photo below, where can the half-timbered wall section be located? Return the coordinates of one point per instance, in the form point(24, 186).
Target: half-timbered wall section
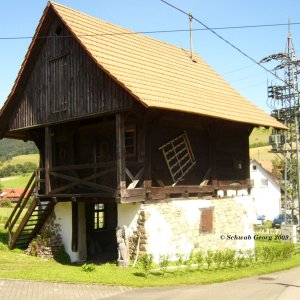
point(65, 83)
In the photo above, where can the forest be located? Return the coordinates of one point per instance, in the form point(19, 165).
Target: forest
point(10, 148)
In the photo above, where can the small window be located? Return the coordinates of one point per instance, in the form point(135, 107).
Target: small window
point(264, 182)
point(206, 220)
point(130, 141)
point(254, 168)
point(58, 30)
point(99, 216)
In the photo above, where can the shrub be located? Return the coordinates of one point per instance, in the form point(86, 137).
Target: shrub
point(199, 258)
point(229, 258)
point(218, 258)
point(267, 224)
point(146, 262)
point(88, 267)
point(6, 203)
point(240, 259)
point(209, 258)
point(164, 261)
point(180, 260)
point(287, 251)
point(189, 259)
point(249, 256)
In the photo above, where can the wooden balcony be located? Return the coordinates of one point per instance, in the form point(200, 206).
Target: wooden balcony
point(82, 180)
point(100, 180)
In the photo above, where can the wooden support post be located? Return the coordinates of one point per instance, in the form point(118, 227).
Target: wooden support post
point(74, 225)
point(212, 133)
point(148, 169)
point(48, 159)
point(246, 162)
point(120, 143)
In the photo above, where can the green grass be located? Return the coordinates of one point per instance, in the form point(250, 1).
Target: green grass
point(14, 264)
point(4, 214)
point(17, 265)
point(21, 159)
point(19, 181)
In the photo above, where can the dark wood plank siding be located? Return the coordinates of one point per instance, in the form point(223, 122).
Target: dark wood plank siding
point(162, 131)
point(65, 84)
point(221, 149)
point(232, 154)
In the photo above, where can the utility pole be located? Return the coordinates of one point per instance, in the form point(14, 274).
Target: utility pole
point(284, 101)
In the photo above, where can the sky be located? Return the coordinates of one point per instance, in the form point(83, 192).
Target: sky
point(19, 18)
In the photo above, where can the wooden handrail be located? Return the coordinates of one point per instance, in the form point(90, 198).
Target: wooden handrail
point(19, 203)
point(12, 224)
point(83, 166)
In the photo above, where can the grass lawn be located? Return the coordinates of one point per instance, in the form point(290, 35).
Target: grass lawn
point(15, 264)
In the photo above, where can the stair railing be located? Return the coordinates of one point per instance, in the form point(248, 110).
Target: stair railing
point(21, 204)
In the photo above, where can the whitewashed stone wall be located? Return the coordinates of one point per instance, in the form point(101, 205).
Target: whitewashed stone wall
point(174, 227)
point(63, 212)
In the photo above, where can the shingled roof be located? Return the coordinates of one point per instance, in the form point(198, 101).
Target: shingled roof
point(157, 74)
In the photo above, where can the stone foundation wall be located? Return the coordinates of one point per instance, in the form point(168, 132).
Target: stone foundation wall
point(174, 227)
point(48, 242)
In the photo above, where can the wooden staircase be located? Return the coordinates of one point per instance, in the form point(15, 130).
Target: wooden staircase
point(36, 215)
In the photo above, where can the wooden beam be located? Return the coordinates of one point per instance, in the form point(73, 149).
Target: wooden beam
point(205, 179)
point(135, 180)
point(148, 167)
point(120, 143)
point(48, 159)
point(213, 135)
point(74, 225)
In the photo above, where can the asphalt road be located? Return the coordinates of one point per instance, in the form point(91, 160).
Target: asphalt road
point(280, 286)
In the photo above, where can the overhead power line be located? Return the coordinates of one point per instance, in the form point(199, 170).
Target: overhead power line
point(223, 39)
point(154, 31)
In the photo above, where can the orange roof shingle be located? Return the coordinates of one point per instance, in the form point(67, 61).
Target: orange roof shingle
point(160, 75)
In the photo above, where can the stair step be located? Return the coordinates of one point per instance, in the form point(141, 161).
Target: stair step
point(33, 221)
point(24, 240)
point(29, 225)
point(26, 235)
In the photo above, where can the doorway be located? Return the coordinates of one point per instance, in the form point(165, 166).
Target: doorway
point(101, 223)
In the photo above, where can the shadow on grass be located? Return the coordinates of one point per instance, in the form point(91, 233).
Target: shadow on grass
point(140, 274)
point(4, 237)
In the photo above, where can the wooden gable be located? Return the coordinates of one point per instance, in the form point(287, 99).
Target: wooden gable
point(65, 84)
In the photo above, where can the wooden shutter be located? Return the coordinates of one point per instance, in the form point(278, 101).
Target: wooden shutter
point(206, 221)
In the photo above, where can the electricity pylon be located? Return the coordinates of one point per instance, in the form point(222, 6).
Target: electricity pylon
point(284, 101)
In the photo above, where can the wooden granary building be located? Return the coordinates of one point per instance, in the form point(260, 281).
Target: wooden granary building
point(131, 131)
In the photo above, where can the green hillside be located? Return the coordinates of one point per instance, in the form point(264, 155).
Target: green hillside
point(21, 159)
point(259, 137)
point(19, 181)
point(10, 148)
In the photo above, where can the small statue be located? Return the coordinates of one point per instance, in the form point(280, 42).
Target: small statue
point(123, 246)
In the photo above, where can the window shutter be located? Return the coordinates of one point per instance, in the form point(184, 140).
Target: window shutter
point(206, 221)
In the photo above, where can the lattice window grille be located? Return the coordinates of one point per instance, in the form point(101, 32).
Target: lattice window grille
point(179, 157)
